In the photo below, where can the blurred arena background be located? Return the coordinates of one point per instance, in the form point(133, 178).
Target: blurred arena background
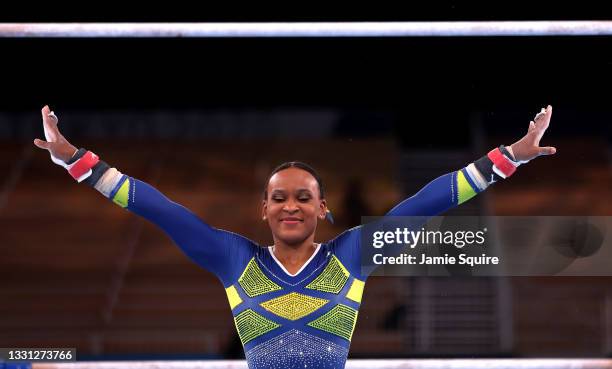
point(205, 121)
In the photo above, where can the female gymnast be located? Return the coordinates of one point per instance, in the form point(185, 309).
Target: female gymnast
point(294, 303)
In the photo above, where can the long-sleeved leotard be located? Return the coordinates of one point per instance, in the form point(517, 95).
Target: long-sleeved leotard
point(284, 321)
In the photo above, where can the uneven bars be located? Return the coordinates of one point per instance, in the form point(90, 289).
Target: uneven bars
point(354, 364)
point(308, 29)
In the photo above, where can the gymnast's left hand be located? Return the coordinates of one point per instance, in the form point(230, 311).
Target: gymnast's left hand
point(529, 147)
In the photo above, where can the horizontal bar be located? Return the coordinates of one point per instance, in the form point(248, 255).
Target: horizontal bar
point(309, 29)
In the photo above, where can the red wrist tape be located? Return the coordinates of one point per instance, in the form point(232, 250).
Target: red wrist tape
point(501, 162)
point(82, 167)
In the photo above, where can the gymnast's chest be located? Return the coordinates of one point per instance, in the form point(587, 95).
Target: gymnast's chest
point(322, 293)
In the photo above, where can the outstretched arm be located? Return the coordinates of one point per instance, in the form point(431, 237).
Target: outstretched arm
point(452, 189)
point(216, 250)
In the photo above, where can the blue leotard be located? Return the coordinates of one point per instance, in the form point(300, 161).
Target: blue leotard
point(286, 321)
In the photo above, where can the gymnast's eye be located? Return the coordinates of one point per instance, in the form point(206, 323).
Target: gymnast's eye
point(278, 198)
point(304, 196)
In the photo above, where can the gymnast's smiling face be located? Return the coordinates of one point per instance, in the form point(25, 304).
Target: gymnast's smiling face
point(292, 206)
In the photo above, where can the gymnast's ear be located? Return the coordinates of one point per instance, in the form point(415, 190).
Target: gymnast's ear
point(264, 209)
point(322, 209)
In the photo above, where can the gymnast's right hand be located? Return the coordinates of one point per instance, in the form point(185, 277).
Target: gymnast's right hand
point(59, 148)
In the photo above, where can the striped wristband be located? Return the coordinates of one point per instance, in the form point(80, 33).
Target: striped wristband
point(502, 166)
point(497, 164)
point(86, 166)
